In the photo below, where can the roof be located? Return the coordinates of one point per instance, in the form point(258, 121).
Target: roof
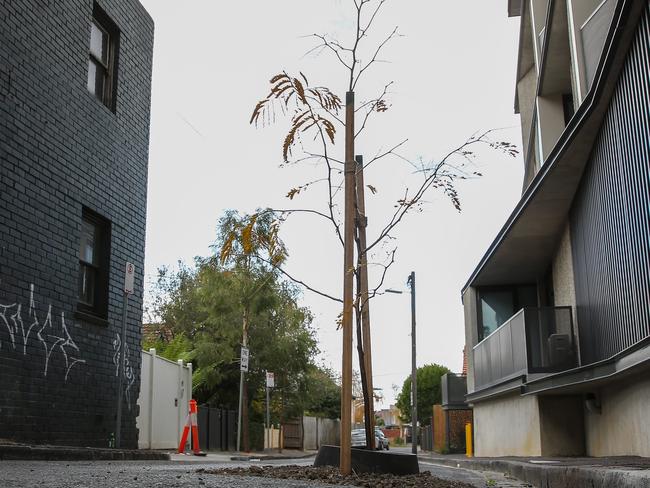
point(156, 332)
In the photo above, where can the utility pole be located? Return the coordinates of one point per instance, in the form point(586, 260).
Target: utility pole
point(345, 461)
point(414, 370)
point(364, 303)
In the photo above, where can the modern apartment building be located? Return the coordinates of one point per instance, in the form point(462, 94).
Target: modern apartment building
point(75, 85)
point(557, 312)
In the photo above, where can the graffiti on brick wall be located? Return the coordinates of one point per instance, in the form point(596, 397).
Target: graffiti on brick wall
point(129, 374)
point(52, 335)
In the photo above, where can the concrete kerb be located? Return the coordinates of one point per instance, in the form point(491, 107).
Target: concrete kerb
point(25, 452)
point(274, 456)
point(225, 456)
point(560, 473)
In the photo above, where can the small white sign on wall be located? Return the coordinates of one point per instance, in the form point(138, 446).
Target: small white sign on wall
point(129, 277)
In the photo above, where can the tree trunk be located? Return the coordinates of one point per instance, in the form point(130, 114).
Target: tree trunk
point(363, 315)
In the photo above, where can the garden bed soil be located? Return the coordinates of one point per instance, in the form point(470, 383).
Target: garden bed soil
point(332, 476)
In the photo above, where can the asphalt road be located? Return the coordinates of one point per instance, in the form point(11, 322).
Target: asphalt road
point(165, 474)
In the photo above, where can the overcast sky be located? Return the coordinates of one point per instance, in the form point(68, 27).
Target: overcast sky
point(454, 73)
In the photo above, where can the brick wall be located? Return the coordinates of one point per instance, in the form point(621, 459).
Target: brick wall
point(457, 420)
point(449, 429)
point(61, 150)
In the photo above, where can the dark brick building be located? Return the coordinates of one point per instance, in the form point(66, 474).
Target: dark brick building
point(75, 85)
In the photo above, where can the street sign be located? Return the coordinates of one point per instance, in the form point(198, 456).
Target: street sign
point(129, 276)
point(244, 360)
point(270, 380)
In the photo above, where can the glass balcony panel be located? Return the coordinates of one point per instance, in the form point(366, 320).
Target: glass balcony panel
point(496, 307)
point(534, 340)
point(550, 339)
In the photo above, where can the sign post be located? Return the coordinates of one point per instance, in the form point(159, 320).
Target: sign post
point(243, 368)
point(129, 279)
point(270, 383)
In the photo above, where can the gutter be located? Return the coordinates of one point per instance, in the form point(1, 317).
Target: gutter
point(626, 362)
point(504, 387)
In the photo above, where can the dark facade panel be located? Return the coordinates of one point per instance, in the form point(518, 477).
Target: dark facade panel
point(610, 218)
point(63, 155)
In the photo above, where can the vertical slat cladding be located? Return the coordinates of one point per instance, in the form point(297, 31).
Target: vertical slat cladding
point(610, 218)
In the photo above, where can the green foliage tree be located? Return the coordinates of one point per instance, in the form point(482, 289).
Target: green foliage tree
point(324, 395)
point(204, 305)
point(429, 393)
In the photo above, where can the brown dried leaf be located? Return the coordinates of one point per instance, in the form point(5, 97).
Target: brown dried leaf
point(300, 90)
point(293, 192)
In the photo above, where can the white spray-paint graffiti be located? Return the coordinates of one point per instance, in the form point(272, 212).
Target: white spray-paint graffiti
point(51, 338)
point(129, 374)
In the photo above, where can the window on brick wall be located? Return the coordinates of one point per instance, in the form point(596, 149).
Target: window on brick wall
point(102, 58)
point(93, 265)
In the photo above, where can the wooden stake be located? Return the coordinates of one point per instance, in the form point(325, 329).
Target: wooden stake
point(348, 275)
point(362, 223)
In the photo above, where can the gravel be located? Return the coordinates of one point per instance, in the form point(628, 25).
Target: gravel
point(129, 474)
point(332, 476)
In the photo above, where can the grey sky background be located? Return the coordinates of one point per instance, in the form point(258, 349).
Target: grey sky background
point(454, 73)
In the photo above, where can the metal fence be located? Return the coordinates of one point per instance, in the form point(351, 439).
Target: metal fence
point(218, 429)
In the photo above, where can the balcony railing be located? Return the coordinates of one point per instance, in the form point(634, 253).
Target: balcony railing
point(454, 390)
point(534, 340)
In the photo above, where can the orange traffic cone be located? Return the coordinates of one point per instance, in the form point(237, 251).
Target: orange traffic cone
point(192, 423)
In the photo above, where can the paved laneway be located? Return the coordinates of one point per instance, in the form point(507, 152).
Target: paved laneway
point(129, 474)
point(183, 474)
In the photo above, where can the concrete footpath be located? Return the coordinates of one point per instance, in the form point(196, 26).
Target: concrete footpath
point(27, 452)
point(224, 456)
point(10, 451)
point(612, 472)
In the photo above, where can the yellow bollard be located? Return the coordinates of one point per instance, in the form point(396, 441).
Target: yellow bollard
point(468, 439)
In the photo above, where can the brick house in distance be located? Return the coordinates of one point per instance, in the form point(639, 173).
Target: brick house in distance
point(75, 88)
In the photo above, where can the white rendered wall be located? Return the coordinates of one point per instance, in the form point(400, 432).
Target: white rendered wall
point(563, 281)
point(623, 426)
point(507, 426)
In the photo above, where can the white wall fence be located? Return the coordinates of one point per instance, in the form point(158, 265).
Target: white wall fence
point(165, 392)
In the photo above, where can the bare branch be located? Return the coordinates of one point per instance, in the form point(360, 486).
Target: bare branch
point(374, 105)
point(364, 31)
point(374, 57)
point(440, 175)
point(391, 151)
point(335, 48)
point(383, 275)
point(297, 281)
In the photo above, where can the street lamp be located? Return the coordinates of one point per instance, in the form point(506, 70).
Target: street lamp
point(414, 384)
